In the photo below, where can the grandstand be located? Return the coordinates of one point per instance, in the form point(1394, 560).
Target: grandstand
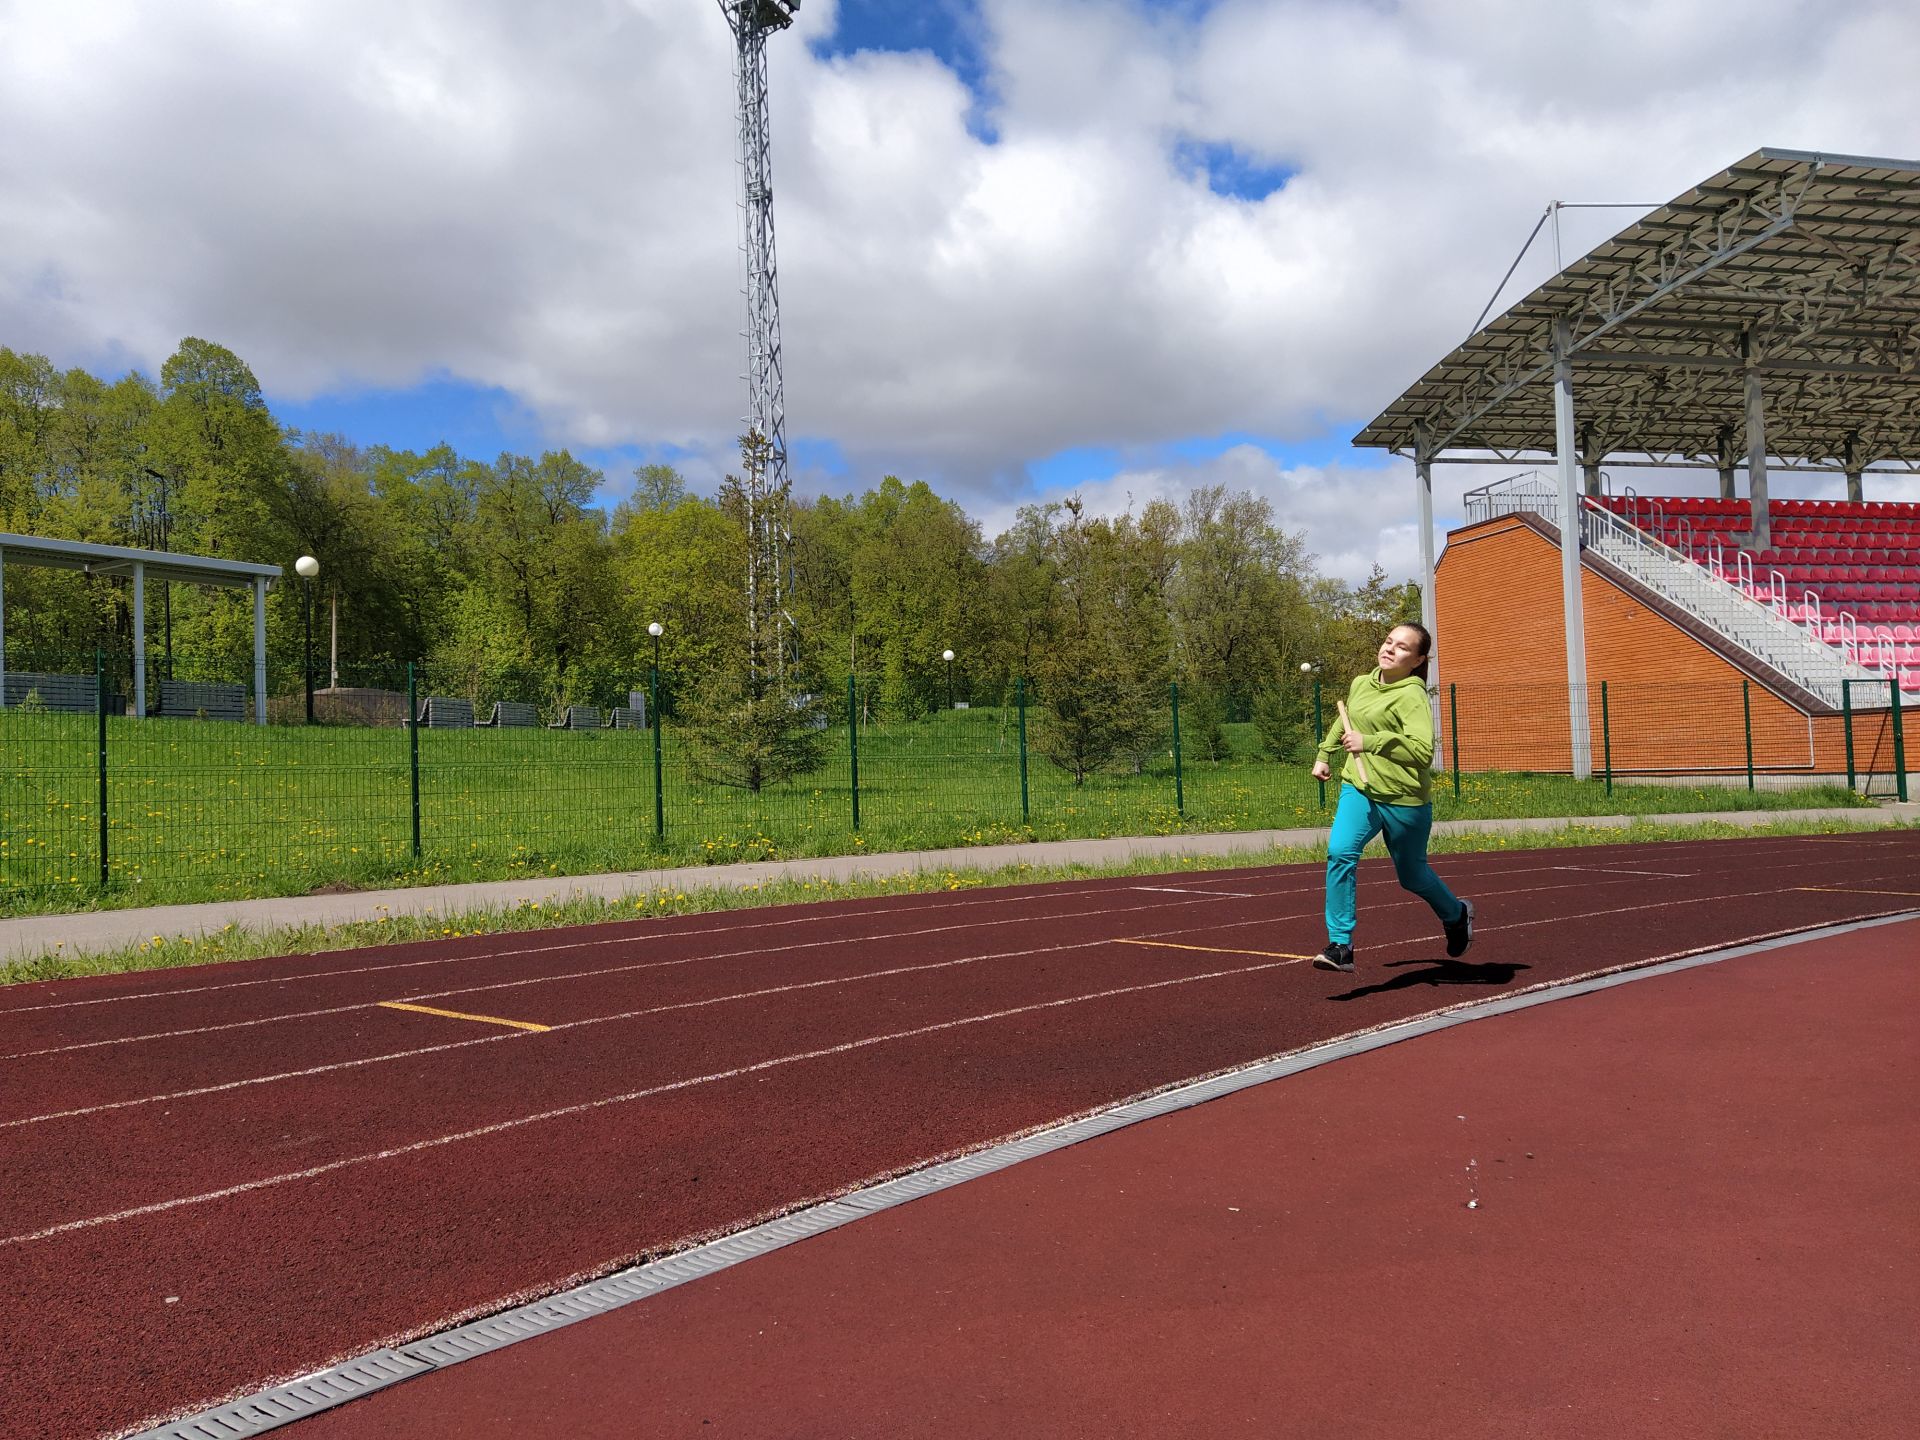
point(1765, 320)
point(1702, 649)
point(1846, 571)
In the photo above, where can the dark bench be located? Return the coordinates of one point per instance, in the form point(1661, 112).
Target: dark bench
point(626, 717)
point(72, 693)
point(441, 712)
point(191, 699)
point(512, 714)
point(578, 717)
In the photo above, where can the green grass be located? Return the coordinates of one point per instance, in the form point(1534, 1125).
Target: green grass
point(199, 810)
point(234, 943)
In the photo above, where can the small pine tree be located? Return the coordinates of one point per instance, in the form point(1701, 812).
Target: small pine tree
point(1283, 719)
point(1203, 718)
point(748, 733)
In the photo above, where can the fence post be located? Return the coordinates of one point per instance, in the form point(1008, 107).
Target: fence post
point(1899, 741)
point(659, 792)
point(853, 744)
point(1320, 733)
point(1453, 733)
point(413, 752)
point(100, 713)
point(1746, 719)
point(1846, 722)
point(1606, 737)
point(1179, 788)
point(1020, 704)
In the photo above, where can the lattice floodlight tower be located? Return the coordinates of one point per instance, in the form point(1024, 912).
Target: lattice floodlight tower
point(769, 532)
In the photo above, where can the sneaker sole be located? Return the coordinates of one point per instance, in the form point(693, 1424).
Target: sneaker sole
point(1322, 963)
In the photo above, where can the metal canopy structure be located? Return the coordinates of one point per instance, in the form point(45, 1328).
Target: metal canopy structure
point(139, 566)
point(1771, 314)
point(1800, 269)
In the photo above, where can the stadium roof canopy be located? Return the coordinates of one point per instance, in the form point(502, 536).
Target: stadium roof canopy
point(1790, 276)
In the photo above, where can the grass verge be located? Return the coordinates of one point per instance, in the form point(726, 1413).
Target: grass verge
point(162, 952)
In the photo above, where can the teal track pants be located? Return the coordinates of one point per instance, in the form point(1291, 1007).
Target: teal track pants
point(1355, 822)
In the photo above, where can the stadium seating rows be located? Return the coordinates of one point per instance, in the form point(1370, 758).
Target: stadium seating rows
point(1858, 558)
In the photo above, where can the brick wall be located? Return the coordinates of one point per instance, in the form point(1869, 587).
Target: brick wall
point(1673, 703)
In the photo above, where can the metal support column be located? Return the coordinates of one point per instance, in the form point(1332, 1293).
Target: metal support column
point(1850, 458)
point(1762, 534)
point(1580, 731)
point(1729, 462)
point(139, 641)
point(1429, 603)
point(1846, 721)
point(260, 650)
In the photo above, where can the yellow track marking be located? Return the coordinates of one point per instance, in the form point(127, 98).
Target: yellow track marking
point(1216, 949)
point(1850, 890)
point(462, 1015)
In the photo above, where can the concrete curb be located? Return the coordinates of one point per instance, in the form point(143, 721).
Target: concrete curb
point(90, 931)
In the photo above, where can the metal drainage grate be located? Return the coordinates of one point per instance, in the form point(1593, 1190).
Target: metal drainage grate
point(295, 1400)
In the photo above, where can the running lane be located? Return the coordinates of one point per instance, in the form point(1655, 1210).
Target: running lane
point(367, 1174)
point(1680, 1207)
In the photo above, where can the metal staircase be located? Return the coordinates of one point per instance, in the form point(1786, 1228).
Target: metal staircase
point(1751, 625)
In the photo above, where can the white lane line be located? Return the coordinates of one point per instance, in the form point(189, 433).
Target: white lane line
point(692, 932)
point(1180, 890)
point(627, 1097)
point(1462, 860)
point(561, 1025)
point(1312, 887)
point(1482, 928)
point(1618, 870)
point(585, 974)
point(602, 971)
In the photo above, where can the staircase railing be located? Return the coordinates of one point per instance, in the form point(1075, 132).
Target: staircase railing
point(1728, 606)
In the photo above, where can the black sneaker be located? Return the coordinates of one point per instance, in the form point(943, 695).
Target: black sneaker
point(1335, 957)
point(1460, 932)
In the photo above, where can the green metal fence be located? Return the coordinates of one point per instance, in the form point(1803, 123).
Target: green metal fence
point(108, 808)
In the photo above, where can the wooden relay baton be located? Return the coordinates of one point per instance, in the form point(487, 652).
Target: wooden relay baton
point(1359, 765)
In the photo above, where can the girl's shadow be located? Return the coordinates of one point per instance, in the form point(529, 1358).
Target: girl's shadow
point(1439, 972)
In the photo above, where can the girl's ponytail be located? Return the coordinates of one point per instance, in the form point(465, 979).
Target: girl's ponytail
point(1426, 645)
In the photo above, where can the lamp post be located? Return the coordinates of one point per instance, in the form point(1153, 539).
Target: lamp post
point(947, 655)
point(306, 567)
point(653, 721)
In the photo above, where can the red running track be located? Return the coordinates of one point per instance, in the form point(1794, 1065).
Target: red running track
point(1683, 1207)
point(220, 1177)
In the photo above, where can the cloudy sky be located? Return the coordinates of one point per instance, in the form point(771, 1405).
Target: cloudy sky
point(1027, 247)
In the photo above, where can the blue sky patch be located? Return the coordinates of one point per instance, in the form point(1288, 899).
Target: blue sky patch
point(477, 421)
point(1230, 171)
point(948, 29)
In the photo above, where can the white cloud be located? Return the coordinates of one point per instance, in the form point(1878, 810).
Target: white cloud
point(368, 192)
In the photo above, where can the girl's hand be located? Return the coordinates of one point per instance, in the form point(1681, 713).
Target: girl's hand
point(1355, 742)
point(1322, 770)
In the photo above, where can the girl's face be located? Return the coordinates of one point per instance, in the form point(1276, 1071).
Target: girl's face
point(1400, 652)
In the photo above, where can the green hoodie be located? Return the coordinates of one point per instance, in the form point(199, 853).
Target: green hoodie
point(1397, 720)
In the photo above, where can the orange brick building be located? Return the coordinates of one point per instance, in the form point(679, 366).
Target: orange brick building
point(1674, 702)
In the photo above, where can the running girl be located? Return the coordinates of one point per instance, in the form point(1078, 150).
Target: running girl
point(1391, 744)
